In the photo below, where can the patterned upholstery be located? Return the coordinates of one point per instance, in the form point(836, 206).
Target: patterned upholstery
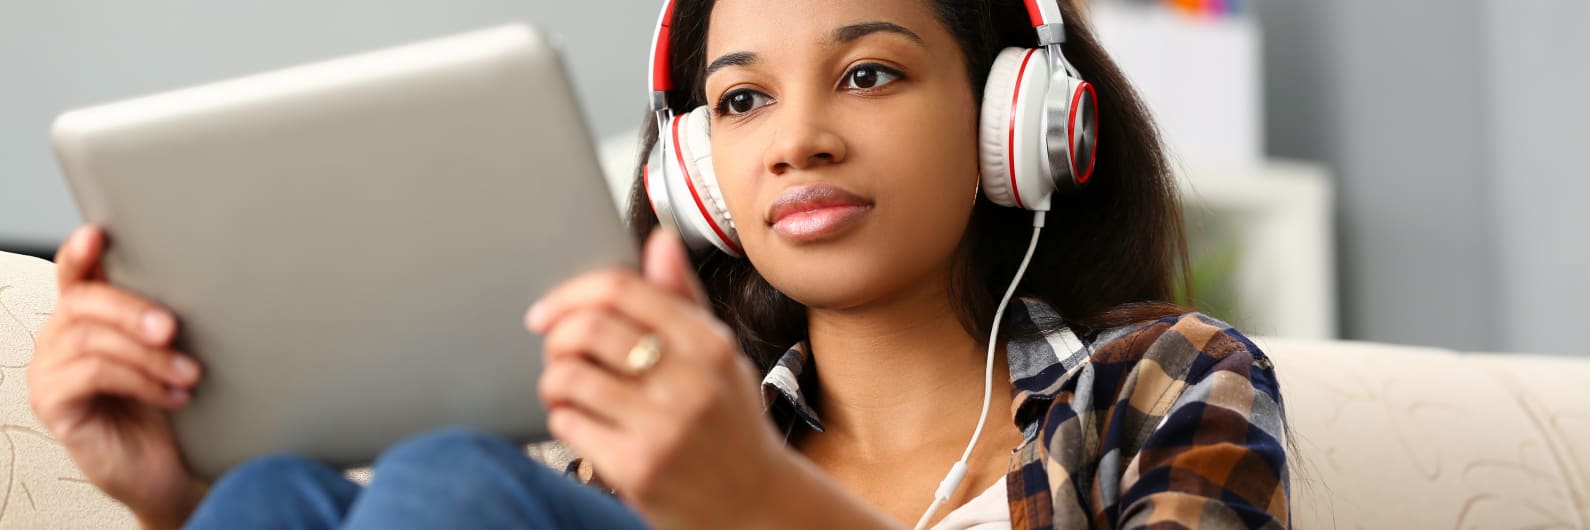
point(41, 488)
point(1399, 437)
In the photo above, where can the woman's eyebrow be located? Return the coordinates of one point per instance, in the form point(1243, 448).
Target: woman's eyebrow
point(846, 34)
point(730, 59)
point(842, 35)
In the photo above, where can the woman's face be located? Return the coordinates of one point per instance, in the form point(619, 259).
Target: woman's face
point(844, 138)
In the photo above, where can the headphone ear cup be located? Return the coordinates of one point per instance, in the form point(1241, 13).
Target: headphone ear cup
point(1083, 128)
point(697, 146)
point(683, 187)
point(1010, 135)
point(695, 134)
point(992, 121)
point(652, 178)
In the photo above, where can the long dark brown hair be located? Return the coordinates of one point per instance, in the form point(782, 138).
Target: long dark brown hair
point(1112, 253)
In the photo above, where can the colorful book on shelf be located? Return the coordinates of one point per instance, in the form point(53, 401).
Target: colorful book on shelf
point(1206, 7)
point(1201, 8)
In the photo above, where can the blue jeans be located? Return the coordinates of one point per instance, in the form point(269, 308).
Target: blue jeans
point(454, 478)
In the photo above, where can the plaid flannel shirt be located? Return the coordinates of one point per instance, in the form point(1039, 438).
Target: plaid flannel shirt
point(1170, 423)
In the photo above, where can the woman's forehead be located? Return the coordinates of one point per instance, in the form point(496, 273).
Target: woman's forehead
point(758, 25)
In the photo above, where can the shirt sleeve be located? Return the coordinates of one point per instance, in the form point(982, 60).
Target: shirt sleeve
point(1217, 457)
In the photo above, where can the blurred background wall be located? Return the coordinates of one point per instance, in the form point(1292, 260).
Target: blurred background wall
point(62, 54)
point(1457, 130)
point(1449, 135)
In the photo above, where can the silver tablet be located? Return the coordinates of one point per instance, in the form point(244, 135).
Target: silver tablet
point(350, 246)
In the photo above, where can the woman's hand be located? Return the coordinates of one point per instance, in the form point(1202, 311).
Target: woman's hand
point(684, 441)
point(103, 376)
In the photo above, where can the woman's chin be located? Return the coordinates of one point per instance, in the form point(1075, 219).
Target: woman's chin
point(852, 268)
point(835, 285)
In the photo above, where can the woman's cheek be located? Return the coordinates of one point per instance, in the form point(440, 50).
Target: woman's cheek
point(741, 198)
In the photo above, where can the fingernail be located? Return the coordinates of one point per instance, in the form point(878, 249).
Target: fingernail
point(184, 368)
point(80, 243)
point(157, 326)
point(535, 317)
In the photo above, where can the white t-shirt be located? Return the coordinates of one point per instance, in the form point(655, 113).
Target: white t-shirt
point(987, 511)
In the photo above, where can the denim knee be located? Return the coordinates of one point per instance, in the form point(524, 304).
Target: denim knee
point(281, 491)
point(462, 478)
point(452, 448)
point(276, 473)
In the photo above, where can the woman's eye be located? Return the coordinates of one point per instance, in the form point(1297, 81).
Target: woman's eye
point(869, 76)
point(740, 102)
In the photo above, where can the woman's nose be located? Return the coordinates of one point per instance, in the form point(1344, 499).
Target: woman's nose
point(803, 139)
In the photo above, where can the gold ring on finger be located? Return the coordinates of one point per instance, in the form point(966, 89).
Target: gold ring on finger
point(645, 354)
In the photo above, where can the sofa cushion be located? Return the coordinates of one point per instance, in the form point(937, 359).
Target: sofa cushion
point(40, 487)
point(1402, 437)
point(1386, 436)
point(1555, 392)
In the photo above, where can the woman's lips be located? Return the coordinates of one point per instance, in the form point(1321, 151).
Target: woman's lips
point(810, 213)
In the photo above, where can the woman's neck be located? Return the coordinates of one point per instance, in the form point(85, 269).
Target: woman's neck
point(901, 374)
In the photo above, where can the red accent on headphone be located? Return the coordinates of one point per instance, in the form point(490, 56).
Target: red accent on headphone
point(1034, 13)
point(691, 183)
point(661, 78)
point(1071, 147)
point(1010, 143)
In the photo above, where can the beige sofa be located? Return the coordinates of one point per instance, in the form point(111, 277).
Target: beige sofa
point(1387, 437)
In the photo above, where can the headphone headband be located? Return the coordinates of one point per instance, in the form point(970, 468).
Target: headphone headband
point(1044, 13)
point(661, 79)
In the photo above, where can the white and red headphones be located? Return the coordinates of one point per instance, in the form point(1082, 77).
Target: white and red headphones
point(1037, 136)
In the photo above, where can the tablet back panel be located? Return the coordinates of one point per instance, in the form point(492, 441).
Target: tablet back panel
point(350, 246)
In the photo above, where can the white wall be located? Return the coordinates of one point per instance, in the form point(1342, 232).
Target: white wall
point(1458, 131)
point(1539, 133)
point(59, 54)
point(1387, 93)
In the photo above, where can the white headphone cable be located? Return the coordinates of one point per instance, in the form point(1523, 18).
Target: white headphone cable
point(952, 481)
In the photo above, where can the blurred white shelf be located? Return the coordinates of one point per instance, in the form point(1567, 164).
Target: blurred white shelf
point(1201, 77)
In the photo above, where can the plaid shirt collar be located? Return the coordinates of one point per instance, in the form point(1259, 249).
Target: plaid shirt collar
point(1038, 362)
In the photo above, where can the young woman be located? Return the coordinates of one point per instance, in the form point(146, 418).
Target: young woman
point(853, 153)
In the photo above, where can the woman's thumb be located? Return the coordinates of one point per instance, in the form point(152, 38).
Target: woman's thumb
point(666, 264)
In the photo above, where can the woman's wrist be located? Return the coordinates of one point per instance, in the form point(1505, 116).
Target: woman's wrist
point(173, 515)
